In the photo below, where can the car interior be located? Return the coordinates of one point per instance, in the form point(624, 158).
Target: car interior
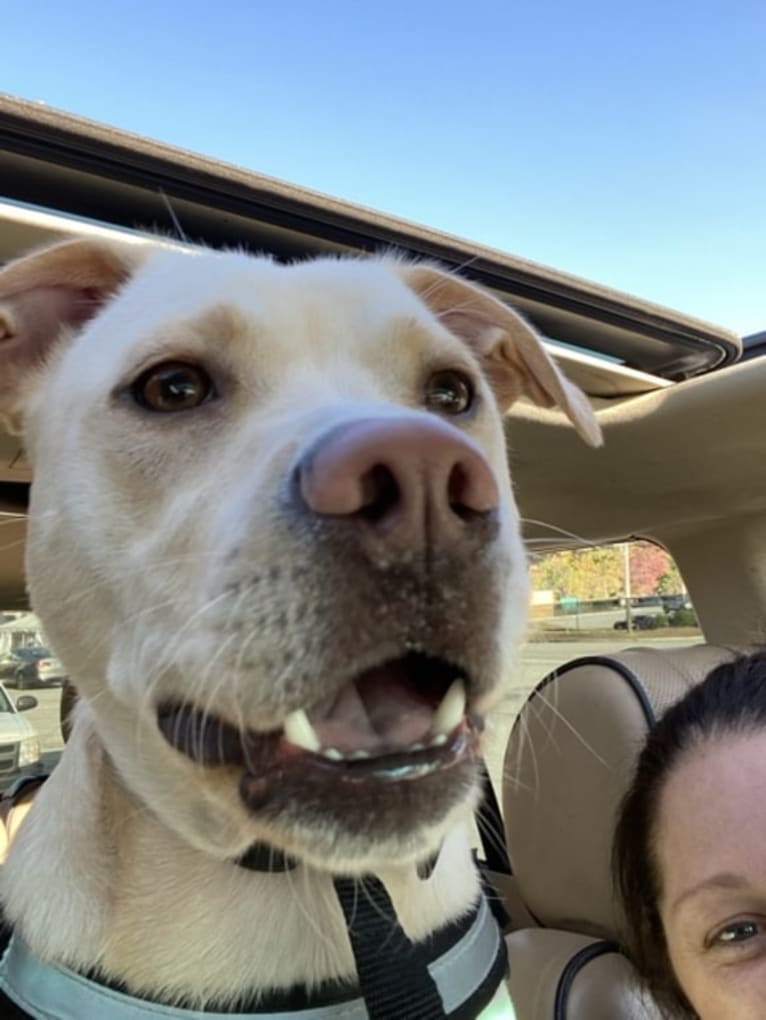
point(680, 403)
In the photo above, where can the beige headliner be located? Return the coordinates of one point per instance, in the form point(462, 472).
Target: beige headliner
point(678, 459)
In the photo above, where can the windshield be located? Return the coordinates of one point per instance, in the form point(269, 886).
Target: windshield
point(34, 652)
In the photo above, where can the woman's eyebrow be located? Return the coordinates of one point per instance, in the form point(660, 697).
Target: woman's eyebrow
point(723, 880)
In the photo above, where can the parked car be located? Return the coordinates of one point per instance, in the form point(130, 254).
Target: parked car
point(19, 742)
point(50, 672)
point(640, 621)
point(39, 672)
point(11, 662)
point(34, 666)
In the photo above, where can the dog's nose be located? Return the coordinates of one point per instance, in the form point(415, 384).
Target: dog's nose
point(410, 482)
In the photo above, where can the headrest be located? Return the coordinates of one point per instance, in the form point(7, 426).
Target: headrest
point(569, 760)
point(557, 974)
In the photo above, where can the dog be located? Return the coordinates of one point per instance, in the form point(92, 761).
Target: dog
point(273, 539)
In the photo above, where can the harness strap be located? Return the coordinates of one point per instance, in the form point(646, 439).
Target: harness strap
point(467, 970)
point(397, 979)
point(393, 973)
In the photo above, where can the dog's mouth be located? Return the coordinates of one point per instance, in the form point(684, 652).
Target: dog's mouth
point(399, 721)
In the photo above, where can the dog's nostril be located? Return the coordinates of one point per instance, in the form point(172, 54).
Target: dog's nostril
point(380, 493)
point(459, 494)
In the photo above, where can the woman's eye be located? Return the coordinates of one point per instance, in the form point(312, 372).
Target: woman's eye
point(449, 392)
point(172, 386)
point(737, 933)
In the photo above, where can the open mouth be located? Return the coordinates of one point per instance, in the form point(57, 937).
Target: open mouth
point(401, 720)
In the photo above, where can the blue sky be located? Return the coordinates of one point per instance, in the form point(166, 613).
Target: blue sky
point(625, 143)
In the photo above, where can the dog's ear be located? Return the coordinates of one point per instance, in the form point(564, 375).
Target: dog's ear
point(512, 355)
point(46, 294)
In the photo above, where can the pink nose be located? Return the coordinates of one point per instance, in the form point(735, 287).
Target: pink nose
point(414, 482)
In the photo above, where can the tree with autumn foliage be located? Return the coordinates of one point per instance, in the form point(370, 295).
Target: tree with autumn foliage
point(599, 573)
point(585, 574)
point(648, 563)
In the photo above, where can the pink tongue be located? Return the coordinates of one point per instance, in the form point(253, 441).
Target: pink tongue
point(380, 713)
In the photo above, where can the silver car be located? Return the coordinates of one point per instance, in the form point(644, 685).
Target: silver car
point(50, 671)
point(19, 742)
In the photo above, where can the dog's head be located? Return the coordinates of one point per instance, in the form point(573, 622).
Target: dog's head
point(272, 533)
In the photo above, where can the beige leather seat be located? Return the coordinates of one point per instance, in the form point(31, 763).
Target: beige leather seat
point(568, 762)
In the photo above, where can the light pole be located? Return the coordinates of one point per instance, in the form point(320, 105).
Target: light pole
point(626, 576)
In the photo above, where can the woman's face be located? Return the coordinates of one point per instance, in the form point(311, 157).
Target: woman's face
point(710, 842)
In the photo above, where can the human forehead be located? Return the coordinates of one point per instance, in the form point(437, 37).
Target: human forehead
point(712, 813)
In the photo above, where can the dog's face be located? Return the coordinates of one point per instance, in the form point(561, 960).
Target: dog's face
point(272, 533)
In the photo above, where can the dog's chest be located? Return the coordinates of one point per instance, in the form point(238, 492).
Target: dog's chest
point(188, 921)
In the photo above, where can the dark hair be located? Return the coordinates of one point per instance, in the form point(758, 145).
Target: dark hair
point(731, 699)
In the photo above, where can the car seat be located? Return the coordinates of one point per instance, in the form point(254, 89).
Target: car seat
point(569, 760)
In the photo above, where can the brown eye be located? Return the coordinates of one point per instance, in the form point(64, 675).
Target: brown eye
point(449, 392)
point(173, 386)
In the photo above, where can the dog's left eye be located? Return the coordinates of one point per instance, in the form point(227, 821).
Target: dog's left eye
point(449, 392)
point(172, 386)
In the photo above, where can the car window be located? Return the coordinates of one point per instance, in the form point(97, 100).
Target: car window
point(593, 601)
point(5, 704)
point(31, 652)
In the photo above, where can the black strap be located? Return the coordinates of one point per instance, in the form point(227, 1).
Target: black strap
point(10, 1011)
point(489, 822)
point(393, 972)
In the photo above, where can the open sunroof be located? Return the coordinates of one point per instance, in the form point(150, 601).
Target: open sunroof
point(71, 166)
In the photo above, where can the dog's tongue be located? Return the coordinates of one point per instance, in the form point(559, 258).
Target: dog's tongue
point(383, 710)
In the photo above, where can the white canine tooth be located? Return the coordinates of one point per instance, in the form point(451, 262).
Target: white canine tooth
point(300, 732)
point(451, 711)
point(439, 740)
point(418, 747)
point(360, 755)
point(332, 753)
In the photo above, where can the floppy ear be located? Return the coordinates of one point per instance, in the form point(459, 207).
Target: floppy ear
point(512, 355)
point(44, 294)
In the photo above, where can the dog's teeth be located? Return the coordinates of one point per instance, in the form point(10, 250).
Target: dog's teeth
point(300, 732)
point(451, 711)
point(418, 747)
point(360, 755)
point(332, 753)
point(439, 740)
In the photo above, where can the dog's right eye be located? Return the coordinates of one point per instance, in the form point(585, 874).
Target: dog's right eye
point(172, 386)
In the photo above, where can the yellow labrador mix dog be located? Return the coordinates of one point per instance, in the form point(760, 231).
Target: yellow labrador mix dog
point(272, 538)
